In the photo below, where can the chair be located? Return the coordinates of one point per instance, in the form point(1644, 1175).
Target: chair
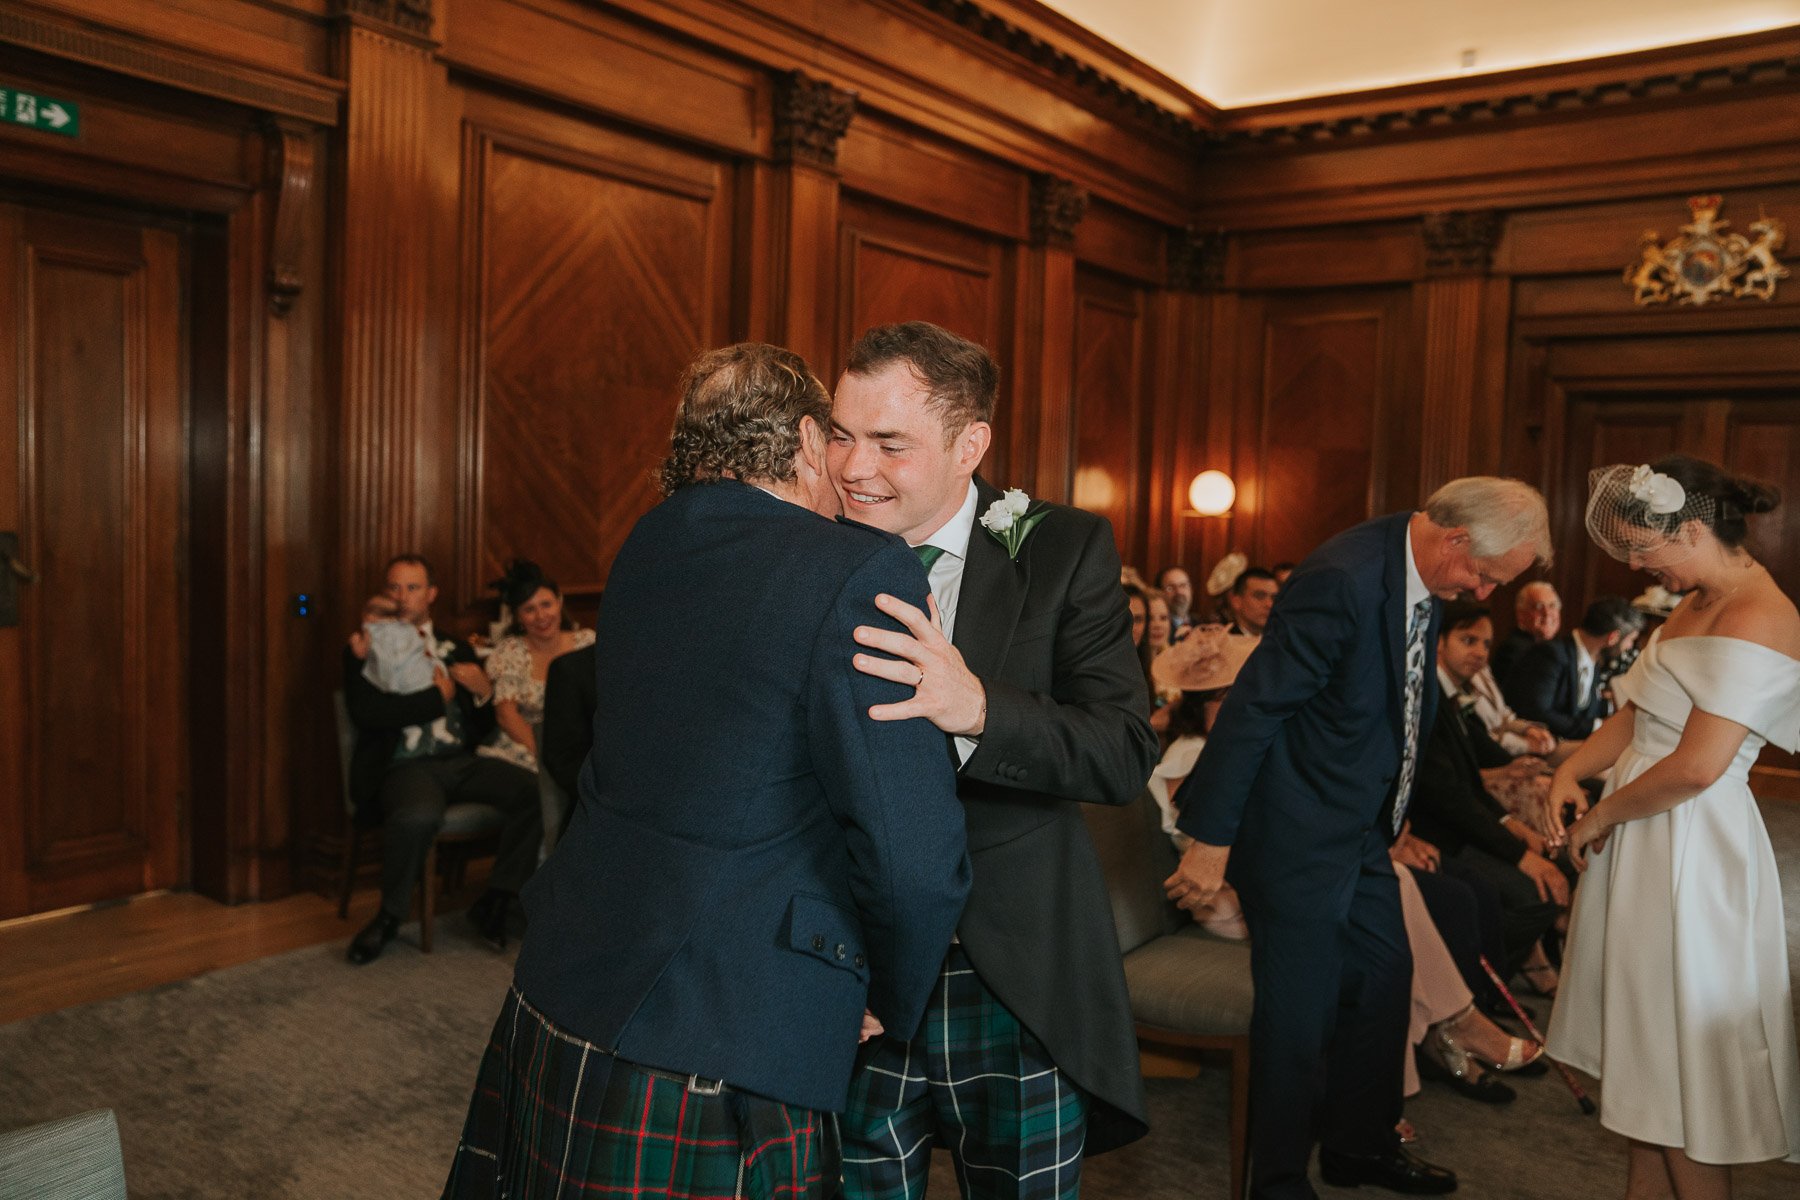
point(1190, 992)
point(464, 825)
point(76, 1158)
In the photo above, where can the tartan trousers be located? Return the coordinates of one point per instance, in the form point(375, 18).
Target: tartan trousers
point(556, 1116)
point(975, 1082)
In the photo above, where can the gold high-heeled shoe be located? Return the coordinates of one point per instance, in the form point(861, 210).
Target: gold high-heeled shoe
point(1520, 1052)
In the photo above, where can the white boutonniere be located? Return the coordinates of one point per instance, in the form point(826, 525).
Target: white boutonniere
point(1660, 493)
point(445, 649)
point(1006, 519)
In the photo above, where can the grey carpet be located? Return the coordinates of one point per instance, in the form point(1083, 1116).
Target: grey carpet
point(301, 1078)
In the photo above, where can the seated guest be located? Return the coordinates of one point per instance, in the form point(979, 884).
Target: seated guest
point(404, 775)
point(1454, 1041)
point(1477, 838)
point(1199, 672)
point(539, 634)
point(1251, 599)
point(1556, 682)
point(569, 705)
point(1178, 590)
point(1137, 602)
point(1537, 616)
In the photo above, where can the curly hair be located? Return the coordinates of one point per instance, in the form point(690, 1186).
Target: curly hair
point(739, 417)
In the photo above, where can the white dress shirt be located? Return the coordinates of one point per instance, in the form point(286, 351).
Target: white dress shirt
point(952, 537)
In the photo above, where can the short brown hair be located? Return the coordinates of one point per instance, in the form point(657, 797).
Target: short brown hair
point(740, 413)
point(961, 377)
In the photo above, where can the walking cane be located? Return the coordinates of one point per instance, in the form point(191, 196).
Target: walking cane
point(1581, 1097)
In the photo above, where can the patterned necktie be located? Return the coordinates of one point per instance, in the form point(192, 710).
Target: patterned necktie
point(1415, 702)
point(928, 555)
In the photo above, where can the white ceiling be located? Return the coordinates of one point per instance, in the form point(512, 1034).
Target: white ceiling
point(1238, 52)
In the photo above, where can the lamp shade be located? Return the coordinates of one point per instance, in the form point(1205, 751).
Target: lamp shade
point(1212, 493)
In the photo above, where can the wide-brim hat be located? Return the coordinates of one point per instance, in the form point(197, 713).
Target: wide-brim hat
point(1205, 660)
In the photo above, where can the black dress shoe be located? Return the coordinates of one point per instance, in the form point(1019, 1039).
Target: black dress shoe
point(1441, 1059)
point(489, 914)
point(1397, 1170)
point(368, 944)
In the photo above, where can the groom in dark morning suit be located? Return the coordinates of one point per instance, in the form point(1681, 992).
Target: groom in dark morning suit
point(1302, 786)
point(1026, 1059)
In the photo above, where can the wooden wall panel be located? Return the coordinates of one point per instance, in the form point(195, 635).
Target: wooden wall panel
point(1320, 410)
point(1111, 365)
point(592, 288)
point(896, 266)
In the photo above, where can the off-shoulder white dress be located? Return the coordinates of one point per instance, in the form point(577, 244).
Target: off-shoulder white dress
point(1675, 986)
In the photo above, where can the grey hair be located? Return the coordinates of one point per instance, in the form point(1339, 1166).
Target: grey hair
point(1498, 513)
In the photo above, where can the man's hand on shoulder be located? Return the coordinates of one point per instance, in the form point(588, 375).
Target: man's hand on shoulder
point(1198, 877)
point(945, 691)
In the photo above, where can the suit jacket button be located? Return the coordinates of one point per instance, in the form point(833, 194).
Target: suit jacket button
point(818, 942)
point(859, 960)
point(840, 949)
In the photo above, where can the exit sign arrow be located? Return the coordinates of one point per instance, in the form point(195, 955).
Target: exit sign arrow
point(33, 111)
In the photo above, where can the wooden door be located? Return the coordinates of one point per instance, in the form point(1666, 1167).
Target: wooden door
point(92, 461)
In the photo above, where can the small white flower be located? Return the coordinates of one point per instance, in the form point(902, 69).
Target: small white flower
point(1660, 493)
point(1010, 523)
point(446, 649)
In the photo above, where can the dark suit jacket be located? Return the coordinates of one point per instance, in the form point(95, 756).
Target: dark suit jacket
point(1506, 655)
point(1303, 759)
point(1545, 685)
point(1049, 636)
point(568, 718)
point(380, 718)
point(1451, 806)
point(752, 860)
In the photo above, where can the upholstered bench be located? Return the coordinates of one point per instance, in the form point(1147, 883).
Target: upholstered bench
point(1190, 991)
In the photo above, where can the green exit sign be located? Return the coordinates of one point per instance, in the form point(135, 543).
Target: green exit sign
point(39, 112)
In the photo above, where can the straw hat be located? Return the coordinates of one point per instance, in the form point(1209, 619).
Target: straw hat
point(1225, 572)
point(1205, 660)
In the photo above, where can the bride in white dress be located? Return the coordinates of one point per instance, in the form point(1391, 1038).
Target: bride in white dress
point(1675, 987)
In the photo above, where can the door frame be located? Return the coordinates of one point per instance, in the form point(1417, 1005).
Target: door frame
point(251, 227)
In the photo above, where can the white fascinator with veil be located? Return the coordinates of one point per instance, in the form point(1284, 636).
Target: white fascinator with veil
point(1640, 515)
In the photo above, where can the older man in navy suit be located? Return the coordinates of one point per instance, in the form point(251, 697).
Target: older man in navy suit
point(757, 871)
point(1303, 784)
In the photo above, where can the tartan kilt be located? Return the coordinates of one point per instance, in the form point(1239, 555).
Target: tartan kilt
point(554, 1115)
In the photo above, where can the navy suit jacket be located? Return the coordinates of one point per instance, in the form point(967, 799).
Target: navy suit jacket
point(1545, 685)
point(752, 860)
point(1303, 759)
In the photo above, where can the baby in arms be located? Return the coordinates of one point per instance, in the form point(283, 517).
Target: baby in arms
point(400, 662)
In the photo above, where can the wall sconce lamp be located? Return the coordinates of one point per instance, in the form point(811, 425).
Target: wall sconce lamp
point(1212, 494)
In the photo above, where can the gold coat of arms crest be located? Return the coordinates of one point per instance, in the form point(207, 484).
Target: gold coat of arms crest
point(1707, 261)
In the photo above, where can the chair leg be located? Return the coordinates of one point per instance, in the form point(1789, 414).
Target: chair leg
point(1240, 1115)
point(428, 903)
point(347, 867)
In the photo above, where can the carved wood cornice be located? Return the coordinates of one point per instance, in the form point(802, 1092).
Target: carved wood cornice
point(1057, 206)
point(1460, 243)
point(290, 173)
point(409, 17)
point(309, 100)
point(1083, 77)
point(1513, 95)
point(811, 118)
point(1197, 260)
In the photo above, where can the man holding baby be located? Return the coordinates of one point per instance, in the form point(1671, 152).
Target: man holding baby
point(421, 704)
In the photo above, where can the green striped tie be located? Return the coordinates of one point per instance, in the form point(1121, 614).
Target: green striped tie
point(928, 555)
